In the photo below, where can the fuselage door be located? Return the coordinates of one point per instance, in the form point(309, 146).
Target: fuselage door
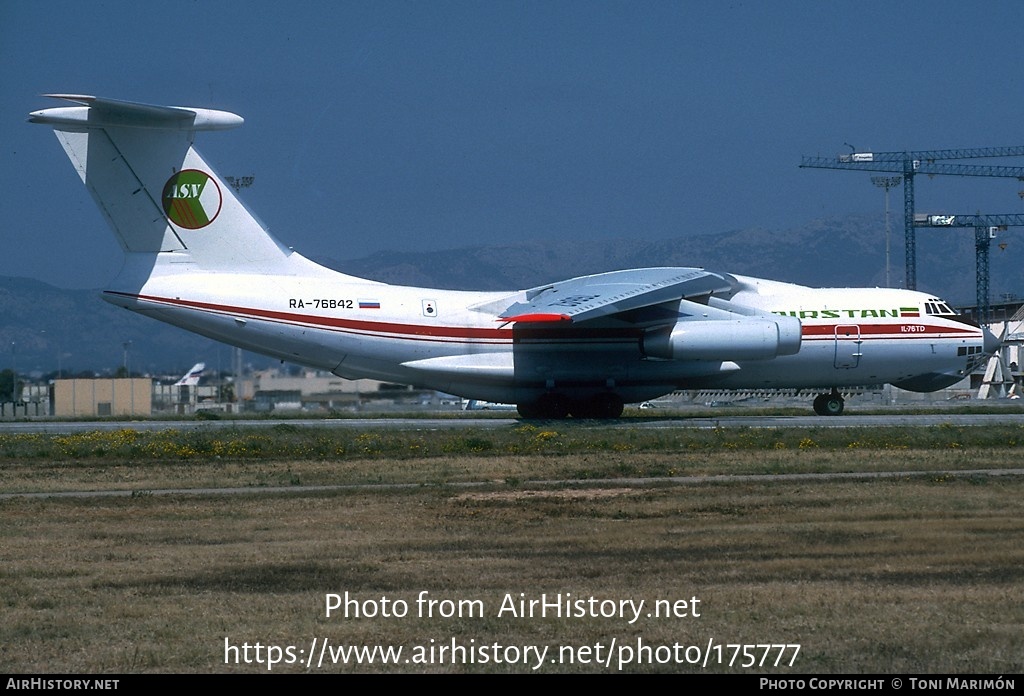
point(848, 346)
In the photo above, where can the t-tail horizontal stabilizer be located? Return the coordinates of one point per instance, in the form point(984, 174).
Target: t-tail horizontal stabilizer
point(158, 194)
point(95, 112)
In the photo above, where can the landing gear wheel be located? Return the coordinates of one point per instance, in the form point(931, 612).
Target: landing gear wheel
point(831, 404)
point(606, 405)
point(529, 410)
point(553, 406)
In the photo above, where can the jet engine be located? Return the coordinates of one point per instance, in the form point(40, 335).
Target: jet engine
point(749, 338)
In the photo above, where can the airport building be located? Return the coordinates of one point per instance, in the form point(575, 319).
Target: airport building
point(262, 391)
point(77, 398)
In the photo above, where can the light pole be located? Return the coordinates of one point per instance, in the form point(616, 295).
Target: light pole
point(126, 345)
point(886, 182)
point(14, 375)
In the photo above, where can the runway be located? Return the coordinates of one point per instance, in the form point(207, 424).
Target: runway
point(528, 485)
point(427, 423)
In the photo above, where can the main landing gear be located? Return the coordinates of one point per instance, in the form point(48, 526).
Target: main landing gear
point(555, 406)
point(830, 404)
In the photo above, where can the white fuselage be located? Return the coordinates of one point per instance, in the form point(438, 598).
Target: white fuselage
point(451, 341)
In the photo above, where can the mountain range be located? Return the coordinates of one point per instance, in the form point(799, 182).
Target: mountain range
point(44, 329)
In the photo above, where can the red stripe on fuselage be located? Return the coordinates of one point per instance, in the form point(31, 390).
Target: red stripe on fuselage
point(412, 331)
point(901, 330)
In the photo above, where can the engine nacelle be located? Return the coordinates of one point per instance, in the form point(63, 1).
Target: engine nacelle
point(752, 338)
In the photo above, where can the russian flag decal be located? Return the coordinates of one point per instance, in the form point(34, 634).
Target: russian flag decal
point(369, 304)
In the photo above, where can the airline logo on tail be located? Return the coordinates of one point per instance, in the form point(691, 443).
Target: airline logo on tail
point(192, 199)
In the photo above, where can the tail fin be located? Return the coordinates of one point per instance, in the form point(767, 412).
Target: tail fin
point(157, 193)
point(191, 378)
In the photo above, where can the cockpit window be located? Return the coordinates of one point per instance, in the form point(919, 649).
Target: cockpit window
point(938, 308)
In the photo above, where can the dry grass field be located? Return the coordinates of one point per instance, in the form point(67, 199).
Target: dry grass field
point(440, 535)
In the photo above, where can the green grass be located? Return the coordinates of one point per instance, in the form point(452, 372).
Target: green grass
point(311, 443)
point(913, 574)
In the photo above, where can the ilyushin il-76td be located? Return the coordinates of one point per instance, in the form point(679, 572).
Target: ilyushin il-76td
point(196, 258)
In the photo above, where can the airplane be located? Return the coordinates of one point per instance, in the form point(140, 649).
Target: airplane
point(191, 378)
point(583, 347)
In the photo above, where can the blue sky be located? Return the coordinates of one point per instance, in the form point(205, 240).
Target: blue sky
point(411, 126)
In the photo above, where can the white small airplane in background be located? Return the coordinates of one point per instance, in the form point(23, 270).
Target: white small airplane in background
point(191, 378)
point(196, 258)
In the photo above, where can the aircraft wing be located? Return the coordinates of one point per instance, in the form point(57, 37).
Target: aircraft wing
point(607, 294)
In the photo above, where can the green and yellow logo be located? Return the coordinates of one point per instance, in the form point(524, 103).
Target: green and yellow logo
point(191, 199)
